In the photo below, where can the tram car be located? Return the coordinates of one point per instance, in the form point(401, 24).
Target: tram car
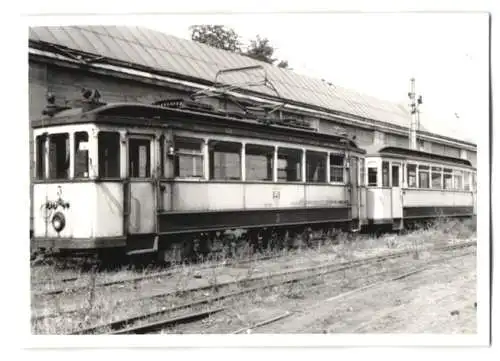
point(406, 186)
point(172, 176)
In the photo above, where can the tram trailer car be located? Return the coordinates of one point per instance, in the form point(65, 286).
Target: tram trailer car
point(138, 178)
point(407, 186)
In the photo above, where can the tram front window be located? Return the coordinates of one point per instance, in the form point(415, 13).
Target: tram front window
point(59, 154)
point(81, 155)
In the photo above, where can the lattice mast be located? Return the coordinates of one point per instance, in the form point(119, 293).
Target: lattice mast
point(415, 102)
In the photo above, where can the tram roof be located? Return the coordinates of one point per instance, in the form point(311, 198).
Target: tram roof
point(384, 150)
point(144, 115)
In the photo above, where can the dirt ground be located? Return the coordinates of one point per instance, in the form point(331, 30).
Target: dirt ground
point(440, 299)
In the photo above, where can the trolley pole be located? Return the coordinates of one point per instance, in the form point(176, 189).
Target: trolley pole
point(415, 114)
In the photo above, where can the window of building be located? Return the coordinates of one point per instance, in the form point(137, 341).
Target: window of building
point(139, 158)
point(188, 157)
point(423, 176)
point(259, 162)
point(315, 167)
point(411, 170)
point(40, 156)
point(436, 177)
point(372, 177)
point(458, 177)
point(289, 165)
point(447, 178)
point(59, 154)
point(81, 155)
point(395, 175)
point(225, 160)
point(337, 168)
point(108, 148)
point(385, 174)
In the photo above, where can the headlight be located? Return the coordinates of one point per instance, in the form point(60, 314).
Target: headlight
point(58, 221)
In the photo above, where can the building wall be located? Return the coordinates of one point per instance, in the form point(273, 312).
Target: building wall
point(66, 84)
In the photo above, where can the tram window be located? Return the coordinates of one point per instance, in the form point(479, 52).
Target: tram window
point(474, 182)
point(336, 168)
point(395, 175)
point(385, 174)
point(259, 162)
point(447, 179)
point(108, 145)
point(225, 160)
point(361, 172)
point(423, 176)
point(289, 165)
point(458, 184)
point(372, 177)
point(81, 155)
point(411, 170)
point(466, 181)
point(139, 158)
point(40, 156)
point(436, 177)
point(188, 158)
point(316, 167)
point(59, 154)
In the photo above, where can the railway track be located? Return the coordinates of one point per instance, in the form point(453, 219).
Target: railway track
point(173, 315)
point(166, 273)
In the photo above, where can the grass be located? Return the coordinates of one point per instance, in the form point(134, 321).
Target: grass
point(98, 306)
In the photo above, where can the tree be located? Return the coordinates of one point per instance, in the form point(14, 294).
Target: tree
point(283, 64)
point(217, 36)
point(261, 49)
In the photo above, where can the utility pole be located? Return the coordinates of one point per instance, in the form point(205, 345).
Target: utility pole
point(415, 114)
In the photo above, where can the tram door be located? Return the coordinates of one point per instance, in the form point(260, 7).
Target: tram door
point(354, 190)
point(141, 188)
point(396, 195)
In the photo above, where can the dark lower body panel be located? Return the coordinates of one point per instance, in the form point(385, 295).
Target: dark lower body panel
point(76, 243)
point(170, 223)
point(433, 212)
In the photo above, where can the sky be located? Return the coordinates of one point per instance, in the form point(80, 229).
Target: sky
point(377, 54)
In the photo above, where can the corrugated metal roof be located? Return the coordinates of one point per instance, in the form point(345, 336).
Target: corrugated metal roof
point(155, 49)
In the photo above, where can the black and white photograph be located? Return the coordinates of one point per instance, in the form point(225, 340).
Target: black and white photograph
point(310, 176)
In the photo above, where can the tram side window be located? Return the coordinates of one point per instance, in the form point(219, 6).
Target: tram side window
point(436, 177)
point(316, 167)
point(59, 154)
point(188, 158)
point(361, 172)
point(40, 156)
point(385, 174)
point(372, 177)
point(225, 160)
point(466, 181)
point(474, 182)
point(289, 165)
point(411, 170)
point(395, 175)
point(139, 158)
point(447, 178)
point(337, 168)
point(81, 155)
point(108, 146)
point(458, 180)
point(423, 176)
point(259, 162)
